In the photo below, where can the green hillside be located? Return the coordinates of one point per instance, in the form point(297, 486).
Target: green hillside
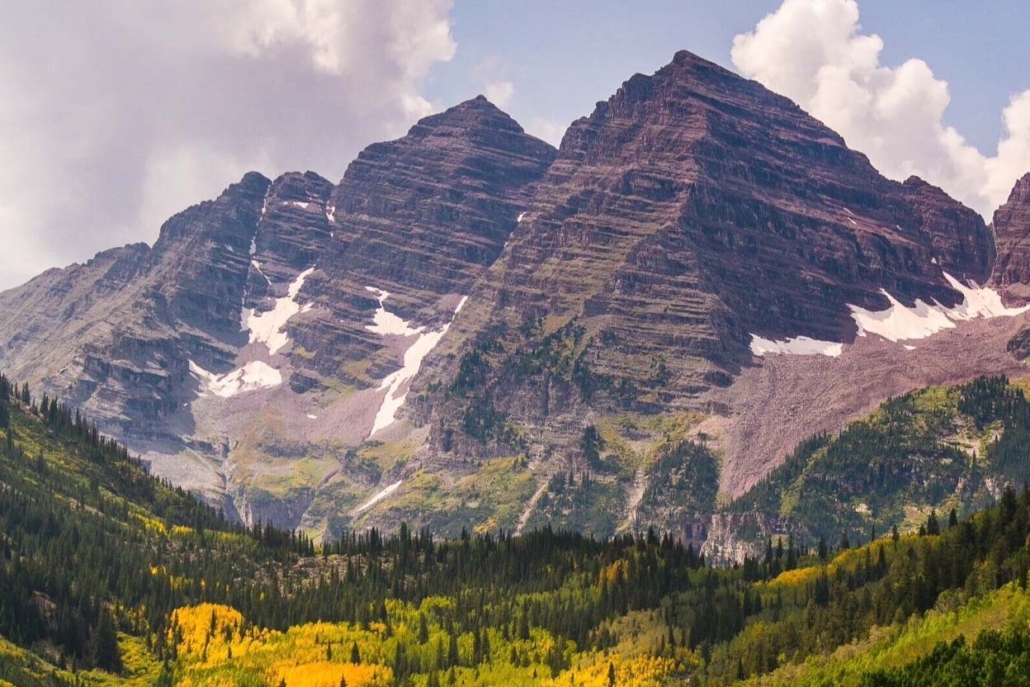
point(109, 577)
point(933, 449)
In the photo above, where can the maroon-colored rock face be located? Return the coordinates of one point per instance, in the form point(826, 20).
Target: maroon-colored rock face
point(420, 217)
point(1012, 233)
point(414, 215)
point(691, 210)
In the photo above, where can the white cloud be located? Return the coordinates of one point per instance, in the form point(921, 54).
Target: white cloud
point(499, 92)
point(814, 52)
point(115, 114)
point(489, 72)
point(546, 130)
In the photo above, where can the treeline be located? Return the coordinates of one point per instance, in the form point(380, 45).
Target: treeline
point(993, 659)
point(89, 537)
point(814, 609)
point(904, 454)
point(84, 540)
point(91, 545)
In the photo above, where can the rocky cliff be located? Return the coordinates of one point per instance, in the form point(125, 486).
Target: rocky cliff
point(473, 329)
point(1012, 229)
point(247, 349)
point(691, 214)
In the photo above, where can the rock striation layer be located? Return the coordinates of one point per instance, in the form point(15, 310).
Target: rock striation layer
point(1012, 231)
point(214, 352)
point(691, 211)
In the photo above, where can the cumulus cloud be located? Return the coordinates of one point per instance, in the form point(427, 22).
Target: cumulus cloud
point(499, 92)
point(814, 52)
point(546, 130)
point(114, 113)
point(490, 74)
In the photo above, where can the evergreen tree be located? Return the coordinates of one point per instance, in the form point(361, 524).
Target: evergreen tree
point(106, 654)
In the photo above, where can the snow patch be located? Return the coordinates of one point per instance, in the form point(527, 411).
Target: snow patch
point(385, 322)
point(330, 213)
point(312, 417)
point(979, 302)
point(908, 348)
point(301, 204)
point(519, 218)
point(389, 324)
point(902, 323)
point(267, 327)
point(251, 377)
point(799, 345)
point(378, 497)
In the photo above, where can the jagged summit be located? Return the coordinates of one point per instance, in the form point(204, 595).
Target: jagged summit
point(451, 189)
point(1012, 231)
point(693, 211)
point(336, 355)
point(273, 293)
point(474, 119)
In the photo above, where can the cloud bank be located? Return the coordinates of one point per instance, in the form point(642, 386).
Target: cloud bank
point(114, 114)
point(814, 52)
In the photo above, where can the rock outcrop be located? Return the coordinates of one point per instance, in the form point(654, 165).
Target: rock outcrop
point(114, 335)
point(1012, 231)
point(215, 352)
point(691, 211)
point(473, 329)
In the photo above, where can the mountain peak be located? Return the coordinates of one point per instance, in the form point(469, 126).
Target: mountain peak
point(1021, 191)
point(467, 119)
point(1012, 237)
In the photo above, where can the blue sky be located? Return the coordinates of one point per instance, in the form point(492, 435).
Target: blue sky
point(562, 57)
point(115, 114)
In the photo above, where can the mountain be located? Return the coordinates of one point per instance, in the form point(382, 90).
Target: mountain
point(704, 258)
point(1012, 228)
point(472, 330)
point(690, 216)
point(283, 302)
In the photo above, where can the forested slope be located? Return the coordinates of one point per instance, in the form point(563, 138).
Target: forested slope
point(110, 577)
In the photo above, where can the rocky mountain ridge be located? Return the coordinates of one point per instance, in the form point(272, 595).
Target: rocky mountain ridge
point(1012, 228)
point(473, 329)
point(691, 216)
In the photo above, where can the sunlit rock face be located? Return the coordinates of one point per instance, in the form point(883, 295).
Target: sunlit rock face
point(1012, 230)
point(428, 339)
point(246, 333)
point(692, 221)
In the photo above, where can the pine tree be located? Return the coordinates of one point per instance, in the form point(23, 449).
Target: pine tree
point(106, 654)
point(933, 528)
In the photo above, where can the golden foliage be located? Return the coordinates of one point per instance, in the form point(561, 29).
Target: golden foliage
point(325, 674)
point(203, 628)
